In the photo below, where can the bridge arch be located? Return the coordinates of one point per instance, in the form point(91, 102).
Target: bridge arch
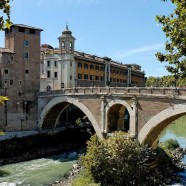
point(60, 103)
point(119, 104)
point(150, 132)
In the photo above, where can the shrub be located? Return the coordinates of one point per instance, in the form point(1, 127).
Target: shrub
point(171, 144)
point(117, 161)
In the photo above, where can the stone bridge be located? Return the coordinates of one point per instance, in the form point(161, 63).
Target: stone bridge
point(150, 109)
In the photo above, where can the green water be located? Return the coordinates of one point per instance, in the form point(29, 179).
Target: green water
point(176, 130)
point(37, 172)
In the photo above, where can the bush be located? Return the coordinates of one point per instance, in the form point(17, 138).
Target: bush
point(171, 144)
point(117, 161)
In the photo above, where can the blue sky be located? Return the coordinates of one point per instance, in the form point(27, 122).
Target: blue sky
point(124, 30)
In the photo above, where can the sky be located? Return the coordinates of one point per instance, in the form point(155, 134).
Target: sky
point(124, 30)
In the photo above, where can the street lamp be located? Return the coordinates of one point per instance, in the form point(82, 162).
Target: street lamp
point(21, 119)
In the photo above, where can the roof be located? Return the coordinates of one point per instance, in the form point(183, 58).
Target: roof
point(90, 57)
point(26, 26)
point(67, 31)
point(5, 50)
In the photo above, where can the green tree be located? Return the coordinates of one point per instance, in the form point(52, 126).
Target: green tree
point(5, 8)
point(118, 161)
point(174, 26)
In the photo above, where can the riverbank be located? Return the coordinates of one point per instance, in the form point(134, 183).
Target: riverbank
point(18, 149)
point(177, 155)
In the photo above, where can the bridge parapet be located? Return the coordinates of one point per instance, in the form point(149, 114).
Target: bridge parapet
point(161, 91)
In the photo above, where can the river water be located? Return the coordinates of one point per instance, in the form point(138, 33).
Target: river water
point(43, 171)
point(177, 130)
point(38, 172)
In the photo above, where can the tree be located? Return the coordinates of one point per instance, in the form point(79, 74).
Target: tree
point(2, 99)
point(174, 26)
point(120, 161)
point(5, 7)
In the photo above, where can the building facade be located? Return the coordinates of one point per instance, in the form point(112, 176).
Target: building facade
point(20, 77)
point(27, 67)
point(63, 67)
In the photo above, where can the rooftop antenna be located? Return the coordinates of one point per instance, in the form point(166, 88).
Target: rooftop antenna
point(67, 25)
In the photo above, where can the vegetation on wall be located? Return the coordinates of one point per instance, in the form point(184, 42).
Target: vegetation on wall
point(174, 27)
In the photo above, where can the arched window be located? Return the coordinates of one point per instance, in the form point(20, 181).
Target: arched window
point(70, 46)
point(63, 45)
point(48, 88)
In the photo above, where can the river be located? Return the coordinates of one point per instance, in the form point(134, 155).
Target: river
point(177, 130)
point(38, 172)
point(43, 171)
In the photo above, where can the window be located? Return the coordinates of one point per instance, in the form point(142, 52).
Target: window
point(32, 31)
point(97, 67)
point(48, 74)
point(6, 71)
point(101, 78)
point(120, 80)
point(71, 64)
point(55, 63)
point(79, 76)
point(63, 44)
point(48, 63)
point(86, 66)
point(117, 80)
point(85, 76)
point(26, 55)
point(97, 78)
point(20, 82)
point(26, 71)
point(70, 46)
point(92, 67)
point(102, 68)
point(11, 82)
point(91, 77)
point(79, 65)
point(55, 74)
point(21, 29)
point(114, 79)
point(70, 77)
point(12, 58)
point(26, 43)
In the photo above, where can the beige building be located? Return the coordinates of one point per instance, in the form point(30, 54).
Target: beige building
point(63, 67)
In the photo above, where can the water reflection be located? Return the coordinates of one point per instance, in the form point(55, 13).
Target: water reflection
point(176, 130)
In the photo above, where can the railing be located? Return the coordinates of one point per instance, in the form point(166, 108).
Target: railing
point(117, 90)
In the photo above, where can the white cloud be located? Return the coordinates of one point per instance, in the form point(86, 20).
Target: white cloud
point(149, 48)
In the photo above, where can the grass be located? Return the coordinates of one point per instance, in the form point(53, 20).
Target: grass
point(83, 179)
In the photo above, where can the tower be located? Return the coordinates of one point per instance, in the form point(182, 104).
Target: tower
point(67, 64)
point(19, 72)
